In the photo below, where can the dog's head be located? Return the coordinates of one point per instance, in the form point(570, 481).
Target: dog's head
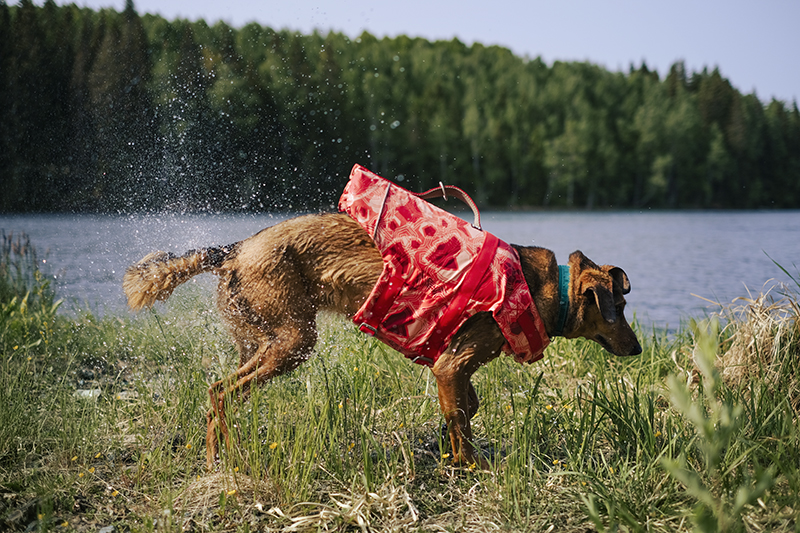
point(597, 305)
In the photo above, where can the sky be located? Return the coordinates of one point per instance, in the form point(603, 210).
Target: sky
point(755, 44)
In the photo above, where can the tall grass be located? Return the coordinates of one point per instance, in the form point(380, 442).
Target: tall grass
point(102, 422)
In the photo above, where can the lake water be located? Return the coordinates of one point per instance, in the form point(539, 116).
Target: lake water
point(668, 256)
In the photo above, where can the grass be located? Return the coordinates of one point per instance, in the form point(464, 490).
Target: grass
point(102, 423)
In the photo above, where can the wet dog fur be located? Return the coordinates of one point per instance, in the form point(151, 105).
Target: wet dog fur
point(272, 285)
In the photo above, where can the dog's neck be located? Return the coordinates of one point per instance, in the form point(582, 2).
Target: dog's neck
point(545, 279)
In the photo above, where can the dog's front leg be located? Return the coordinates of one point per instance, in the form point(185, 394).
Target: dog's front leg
point(477, 342)
point(454, 401)
point(459, 403)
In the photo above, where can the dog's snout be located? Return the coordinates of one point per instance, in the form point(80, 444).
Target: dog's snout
point(636, 350)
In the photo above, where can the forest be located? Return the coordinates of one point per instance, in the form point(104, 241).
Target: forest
point(117, 112)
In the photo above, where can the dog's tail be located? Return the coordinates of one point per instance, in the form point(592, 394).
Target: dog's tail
point(159, 273)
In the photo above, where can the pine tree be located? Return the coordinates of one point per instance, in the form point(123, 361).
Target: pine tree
point(123, 115)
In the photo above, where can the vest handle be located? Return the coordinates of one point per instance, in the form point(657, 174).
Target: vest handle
point(441, 192)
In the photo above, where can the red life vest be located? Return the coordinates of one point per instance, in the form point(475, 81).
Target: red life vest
point(438, 271)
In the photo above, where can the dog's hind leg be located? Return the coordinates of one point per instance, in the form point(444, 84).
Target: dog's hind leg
point(283, 351)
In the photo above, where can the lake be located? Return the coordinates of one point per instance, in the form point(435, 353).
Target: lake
point(668, 256)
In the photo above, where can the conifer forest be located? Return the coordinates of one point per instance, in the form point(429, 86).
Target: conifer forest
point(109, 112)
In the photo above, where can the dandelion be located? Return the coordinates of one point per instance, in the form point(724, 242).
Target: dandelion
point(64, 524)
point(231, 492)
point(273, 445)
point(80, 475)
point(115, 494)
point(189, 446)
point(91, 470)
point(549, 407)
point(445, 455)
point(236, 469)
point(611, 469)
point(556, 462)
point(341, 405)
point(75, 458)
point(98, 455)
point(40, 516)
point(17, 346)
point(658, 434)
point(355, 369)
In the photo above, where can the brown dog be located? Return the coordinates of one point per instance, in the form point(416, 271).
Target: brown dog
point(272, 284)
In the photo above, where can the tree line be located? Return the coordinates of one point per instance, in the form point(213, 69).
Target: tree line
point(102, 111)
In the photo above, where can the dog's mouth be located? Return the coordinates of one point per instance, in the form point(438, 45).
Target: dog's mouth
point(602, 341)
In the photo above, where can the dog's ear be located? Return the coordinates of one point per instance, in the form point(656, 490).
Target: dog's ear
point(597, 287)
point(581, 261)
point(620, 278)
point(594, 284)
point(605, 302)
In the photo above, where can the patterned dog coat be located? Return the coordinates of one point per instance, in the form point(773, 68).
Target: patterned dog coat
point(438, 271)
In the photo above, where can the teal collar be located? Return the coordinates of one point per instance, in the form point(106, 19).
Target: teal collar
point(563, 299)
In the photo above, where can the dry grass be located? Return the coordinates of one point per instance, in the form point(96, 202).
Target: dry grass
point(762, 344)
point(211, 499)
